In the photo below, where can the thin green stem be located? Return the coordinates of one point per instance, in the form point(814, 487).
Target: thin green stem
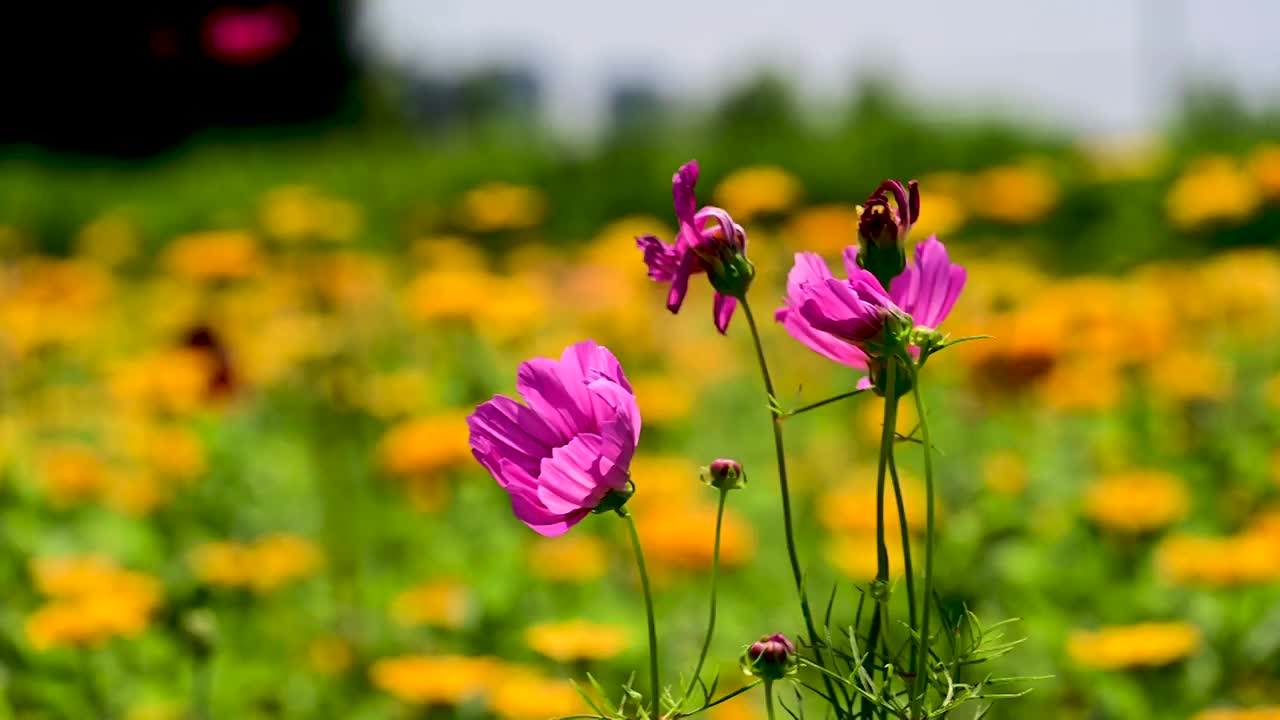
point(768, 698)
point(907, 568)
point(887, 434)
point(775, 417)
point(820, 403)
point(711, 622)
point(655, 681)
point(917, 698)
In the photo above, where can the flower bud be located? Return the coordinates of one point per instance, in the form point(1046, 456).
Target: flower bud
point(883, 228)
point(724, 474)
point(772, 657)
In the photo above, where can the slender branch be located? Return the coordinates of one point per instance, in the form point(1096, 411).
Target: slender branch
point(711, 622)
point(781, 457)
point(820, 403)
point(887, 434)
point(906, 550)
point(923, 660)
point(655, 681)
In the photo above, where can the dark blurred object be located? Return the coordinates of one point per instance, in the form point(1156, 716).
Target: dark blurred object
point(134, 78)
point(477, 97)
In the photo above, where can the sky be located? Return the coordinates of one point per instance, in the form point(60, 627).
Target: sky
point(1093, 66)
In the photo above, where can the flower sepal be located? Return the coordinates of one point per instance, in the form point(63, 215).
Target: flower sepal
point(614, 499)
point(730, 273)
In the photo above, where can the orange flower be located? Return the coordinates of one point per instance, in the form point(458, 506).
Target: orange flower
point(1136, 501)
point(214, 255)
point(577, 640)
point(1129, 646)
point(439, 603)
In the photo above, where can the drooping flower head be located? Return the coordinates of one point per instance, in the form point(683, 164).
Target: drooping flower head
point(883, 228)
point(843, 320)
point(569, 448)
point(718, 249)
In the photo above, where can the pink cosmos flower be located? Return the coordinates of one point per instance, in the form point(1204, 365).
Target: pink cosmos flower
point(559, 455)
point(833, 317)
point(698, 248)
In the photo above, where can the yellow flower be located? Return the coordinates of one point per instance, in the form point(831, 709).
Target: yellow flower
point(572, 558)
point(853, 554)
point(1213, 189)
point(1251, 557)
point(1004, 472)
point(448, 252)
point(663, 398)
point(577, 640)
point(175, 381)
point(851, 506)
point(1185, 375)
point(824, 229)
point(1122, 647)
point(214, 255)
point(1264, 165)
point(669, 480)
point(530, 696)
point(91, 601)
point(330, 655)
point(136, 493)
point(501, 206)
point(1016, 194)
point(1083, 384)
point(439, 603)
point(941, 213)
point(170, 451)
point(757, 190)
point(396, 393)
point(425, 445)
point(298, 212)
point(261, 566)
point(47, 302)
point(682, 538)
point(434, 680)
point(1136, 501)
point(71, 473)
point(871, 417)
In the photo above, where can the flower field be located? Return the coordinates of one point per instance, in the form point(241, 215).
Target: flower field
point(237, 479)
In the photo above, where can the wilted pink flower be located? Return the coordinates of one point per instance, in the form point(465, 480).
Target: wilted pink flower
point(834, 317)
point(572, 444)
point(717, 250)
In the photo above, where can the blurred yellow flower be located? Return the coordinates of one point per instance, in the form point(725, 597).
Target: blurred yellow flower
point(577, 640)
point(501, 206)
point(170, 451)
point(664, 399)
point(851, 506)
point(1004, 472)
point(1222, 562)
point(425, 445)
point(530, 696)
point(1136, 501)
point(1017, 194)
point(440, 603)
point(853, 554)
point(434, 680)
point(262, 566)
point(299, 212)
point(136, 493)
point(682, 538)
point(757, 190)
point(575, 557)
point(71, 473)
point(395, 393)
point(176, 381)
point(448, 252)
point(46, 302)
point(941, 213)
point(1212, 189)
point(1264, 165)
point(668, 480)
point(90, 601)
point(214, 255)
point(824, 229)
point(330, 655)
point(871, 418)
point(1122, 647)
point(1083, 385)
point(1184, 375)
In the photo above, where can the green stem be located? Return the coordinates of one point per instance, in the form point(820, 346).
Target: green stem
point(906, 550)
point(917, 695)
point(888, 432)
point(768, 698)
point(781, 457)
point(820, 403)
point(655, 682)
point(711, 622)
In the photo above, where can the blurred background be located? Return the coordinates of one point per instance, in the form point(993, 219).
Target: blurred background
point(260, 259)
